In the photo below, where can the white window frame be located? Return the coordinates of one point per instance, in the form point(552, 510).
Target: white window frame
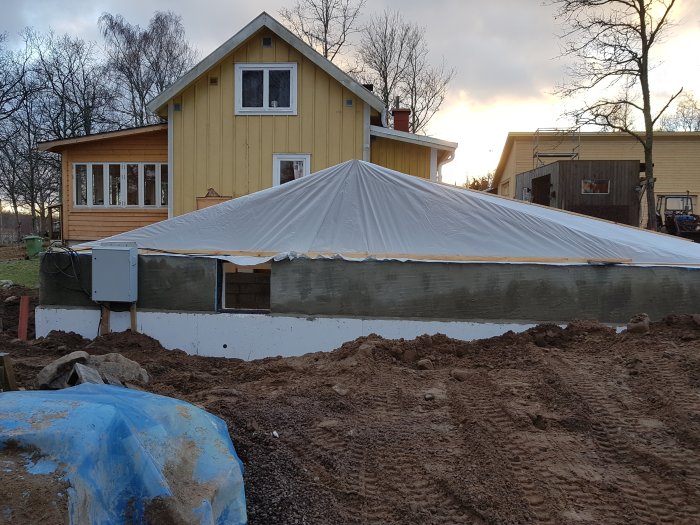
point(279, 157)
point(122, 185)
point(266, 68)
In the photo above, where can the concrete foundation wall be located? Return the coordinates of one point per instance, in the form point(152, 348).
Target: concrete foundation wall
point(254, 336)
point(523, 292)
point(164, 282)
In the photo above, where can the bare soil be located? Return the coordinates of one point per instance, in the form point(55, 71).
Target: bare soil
point(12, 252)
point(578, 425)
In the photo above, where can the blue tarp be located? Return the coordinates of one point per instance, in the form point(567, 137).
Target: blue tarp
point(128, 453)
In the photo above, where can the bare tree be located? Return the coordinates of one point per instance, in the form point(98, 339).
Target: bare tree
point(686, 116)
point(387, 41)
point(325, 25)
point(74, 96)
point(12, 73)
point(144, 61)
point(423, 87)
point(11, 169)
point(393, 55)
point(612, 42)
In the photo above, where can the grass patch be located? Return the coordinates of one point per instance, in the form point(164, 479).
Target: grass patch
point(21, 272)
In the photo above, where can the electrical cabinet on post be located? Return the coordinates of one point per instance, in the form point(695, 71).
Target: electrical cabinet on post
point(115, 273)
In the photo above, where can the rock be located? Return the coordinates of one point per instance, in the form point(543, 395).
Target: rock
point(11, 299)
point(639, 324)
point(340, 390)
point(428, 396)
point(119, 367)
point(84, 374)
point(111, 380)
point(696, 319)
point(328, 423)
point(424, 364)
point(55, 374)
point(6, 283)
point(460, 374)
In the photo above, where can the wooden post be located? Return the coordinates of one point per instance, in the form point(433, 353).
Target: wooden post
point(7, 374)
point(133, 318)
point(23, 318)
point(104, 320)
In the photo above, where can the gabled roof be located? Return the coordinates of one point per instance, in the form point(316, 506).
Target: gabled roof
point(358, 211)
point(265, 21)
point(412, 138)
point(56, 145)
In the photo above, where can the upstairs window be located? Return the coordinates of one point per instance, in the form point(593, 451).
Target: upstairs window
point(263, 89)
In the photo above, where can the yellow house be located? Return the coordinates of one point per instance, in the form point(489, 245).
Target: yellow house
point(262, 109)
point(676, 156)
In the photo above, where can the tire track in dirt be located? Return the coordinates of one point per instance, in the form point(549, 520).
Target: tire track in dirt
point(651, 498)
point(475, 397)
point(426, 434)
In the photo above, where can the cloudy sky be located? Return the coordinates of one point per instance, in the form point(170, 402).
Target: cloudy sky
point(504, 53)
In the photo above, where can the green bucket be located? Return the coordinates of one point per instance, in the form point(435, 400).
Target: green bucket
point(34, 244)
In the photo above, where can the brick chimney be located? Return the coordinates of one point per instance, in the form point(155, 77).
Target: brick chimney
point(401, 118)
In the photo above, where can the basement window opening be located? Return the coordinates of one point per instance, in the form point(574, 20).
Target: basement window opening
point(246, 289)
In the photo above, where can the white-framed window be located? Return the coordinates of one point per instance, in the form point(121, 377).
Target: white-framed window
point(263, 89)
point(120, 184)
point(287, 167)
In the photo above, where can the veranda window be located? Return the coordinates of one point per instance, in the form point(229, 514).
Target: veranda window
point(133, 184)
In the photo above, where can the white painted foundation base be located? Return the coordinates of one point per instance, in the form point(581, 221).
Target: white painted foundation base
point(254, 336)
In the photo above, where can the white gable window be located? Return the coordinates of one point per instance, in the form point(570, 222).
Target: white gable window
point(263, 89)
point(289, 167)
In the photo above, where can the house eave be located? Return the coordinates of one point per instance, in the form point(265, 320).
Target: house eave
point(56, 145)
point(412, 138)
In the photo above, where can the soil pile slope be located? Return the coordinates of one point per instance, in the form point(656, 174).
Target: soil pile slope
point(575, 425)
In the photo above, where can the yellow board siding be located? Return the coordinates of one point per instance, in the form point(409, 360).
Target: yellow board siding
point(676, 157)
point(213, 148)
point(87, 224)
point(401, 156)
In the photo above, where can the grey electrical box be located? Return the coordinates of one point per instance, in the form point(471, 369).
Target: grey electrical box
point(115, 273)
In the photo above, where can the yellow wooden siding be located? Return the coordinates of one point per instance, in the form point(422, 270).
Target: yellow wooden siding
point(213, 148)
point(86, 224)
point(676, 158)
point(401, 156)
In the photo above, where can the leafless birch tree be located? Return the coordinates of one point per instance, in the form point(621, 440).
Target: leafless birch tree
point(612, 43)
point(394, 58)
point(325, 25)
point(143, 62)
point(686, 116)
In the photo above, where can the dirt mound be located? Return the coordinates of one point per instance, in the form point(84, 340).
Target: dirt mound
point(552, 425)
point(9, 308)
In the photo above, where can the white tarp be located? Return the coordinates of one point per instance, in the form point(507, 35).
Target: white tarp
point(357, 210)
